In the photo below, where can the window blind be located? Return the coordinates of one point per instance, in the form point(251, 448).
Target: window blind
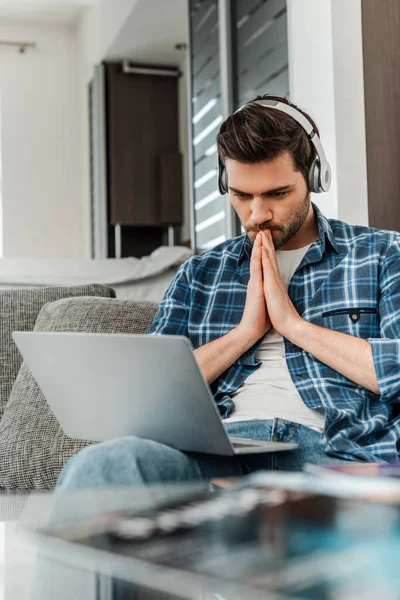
point(206, 114)
point(261, 49)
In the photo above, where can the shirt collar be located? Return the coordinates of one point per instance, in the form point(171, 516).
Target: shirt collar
point(324, 229)
point(245, 249)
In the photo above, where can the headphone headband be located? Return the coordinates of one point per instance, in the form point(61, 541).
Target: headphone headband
point(319, 175)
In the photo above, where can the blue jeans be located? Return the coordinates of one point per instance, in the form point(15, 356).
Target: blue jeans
point(134, 461)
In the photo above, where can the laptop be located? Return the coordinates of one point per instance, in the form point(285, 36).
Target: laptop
point(106, 386)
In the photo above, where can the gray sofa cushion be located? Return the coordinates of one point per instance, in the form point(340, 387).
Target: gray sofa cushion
point(33, 447)
point(19, 309)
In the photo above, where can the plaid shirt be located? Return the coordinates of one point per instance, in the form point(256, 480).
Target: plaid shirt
point(348, 281)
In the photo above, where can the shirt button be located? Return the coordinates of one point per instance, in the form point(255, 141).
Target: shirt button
point(354, 317)
point(299, 376)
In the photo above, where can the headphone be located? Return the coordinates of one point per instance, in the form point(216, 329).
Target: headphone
point(319, 174)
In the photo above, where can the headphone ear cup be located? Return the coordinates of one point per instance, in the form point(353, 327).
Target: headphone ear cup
point(222, 178)
point(314, 177)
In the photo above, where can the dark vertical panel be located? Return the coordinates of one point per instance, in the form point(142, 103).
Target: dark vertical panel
point(381, 49)
point(140, 241)
point(142, 113)
point(171, 190)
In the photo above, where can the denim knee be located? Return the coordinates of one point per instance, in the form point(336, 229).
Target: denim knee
point(126, 461)
point(102, 464)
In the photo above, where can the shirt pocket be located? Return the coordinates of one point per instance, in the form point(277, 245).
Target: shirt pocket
point(360, 321)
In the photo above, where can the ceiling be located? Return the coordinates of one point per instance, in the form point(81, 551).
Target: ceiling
point(151, 31)
point(45, 11)
point(148, 35)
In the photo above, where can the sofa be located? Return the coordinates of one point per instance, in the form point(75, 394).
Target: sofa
point(144, 278)
point(33, 446)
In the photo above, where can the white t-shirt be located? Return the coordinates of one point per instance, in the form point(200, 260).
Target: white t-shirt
point(270, 392)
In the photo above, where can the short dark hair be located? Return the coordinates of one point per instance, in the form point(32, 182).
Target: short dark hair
point(256, 134)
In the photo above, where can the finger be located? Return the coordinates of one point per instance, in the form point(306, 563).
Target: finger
point(268, 274)
point(256, 246)
point(268, 240)
point(269, 246)
point(255, 261)
point(257, 243)
point(267, 267)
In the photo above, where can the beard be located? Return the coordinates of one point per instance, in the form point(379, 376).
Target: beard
point(281, 234)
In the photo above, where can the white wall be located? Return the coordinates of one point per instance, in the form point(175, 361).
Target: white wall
point(351, 150)
point(85, 35)
point(110, 17)
point(42, 203)
point(44, 132)
point(98, 29)
point(326, 79)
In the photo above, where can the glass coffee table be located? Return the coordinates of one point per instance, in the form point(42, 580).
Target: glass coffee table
point(179, 542)
point(36, 567)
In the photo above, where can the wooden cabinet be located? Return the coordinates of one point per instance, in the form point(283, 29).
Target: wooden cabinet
point(144, 166)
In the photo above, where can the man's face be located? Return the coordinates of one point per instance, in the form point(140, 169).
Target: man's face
point(269, 195)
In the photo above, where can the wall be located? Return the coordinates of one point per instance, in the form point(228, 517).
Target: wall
point(42, 204)
point(109, 19)
point(326, 79)
point(85, 36)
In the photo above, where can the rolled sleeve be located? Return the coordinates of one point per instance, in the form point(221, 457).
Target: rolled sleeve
point(386, 356)
point(386, 349)
point(173, 314)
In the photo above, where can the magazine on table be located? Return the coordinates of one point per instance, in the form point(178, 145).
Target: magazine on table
point(295, 543)
point(357, 468)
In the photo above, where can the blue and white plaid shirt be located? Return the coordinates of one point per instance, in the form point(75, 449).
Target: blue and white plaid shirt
point(348, 281)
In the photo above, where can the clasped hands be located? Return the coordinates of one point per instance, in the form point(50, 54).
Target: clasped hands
point(267, 300)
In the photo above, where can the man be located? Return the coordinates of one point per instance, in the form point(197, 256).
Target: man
point(295, 324)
